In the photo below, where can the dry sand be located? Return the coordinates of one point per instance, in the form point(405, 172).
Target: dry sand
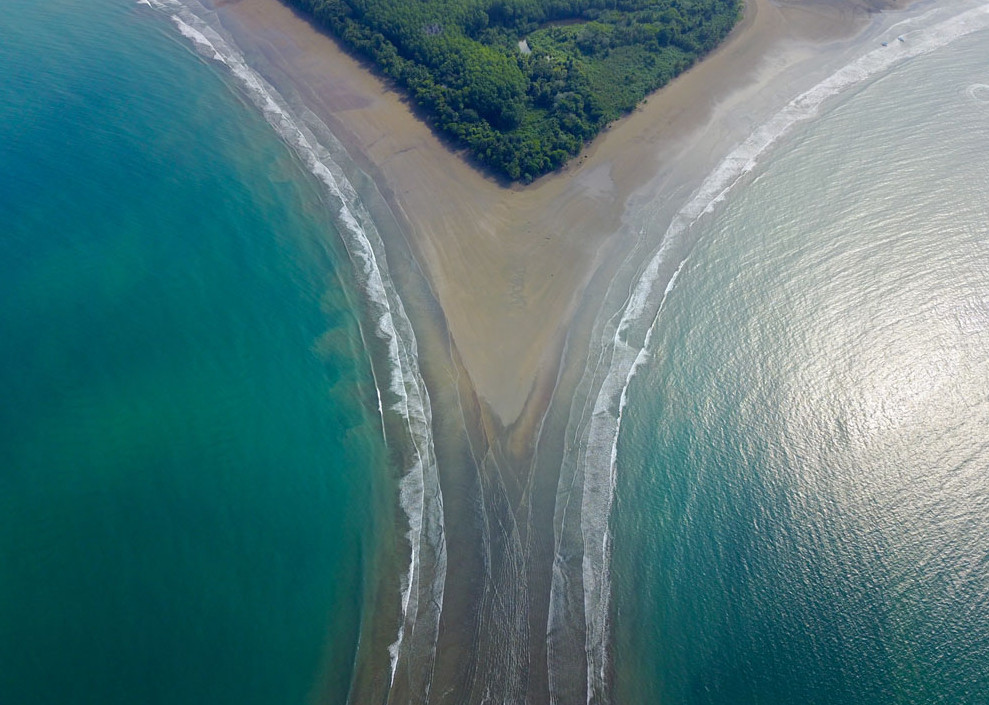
point(507, 263)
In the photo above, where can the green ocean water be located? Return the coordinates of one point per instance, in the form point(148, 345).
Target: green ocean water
point(190, 452)
point(802, 503)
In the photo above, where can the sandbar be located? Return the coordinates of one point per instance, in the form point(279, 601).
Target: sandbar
point(507, 263)
point(513, 268)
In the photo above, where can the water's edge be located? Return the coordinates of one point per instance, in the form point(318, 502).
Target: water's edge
point(389, 339)
point(581, 607)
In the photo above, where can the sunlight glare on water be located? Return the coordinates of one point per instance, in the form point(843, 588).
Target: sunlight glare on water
point(802, 511)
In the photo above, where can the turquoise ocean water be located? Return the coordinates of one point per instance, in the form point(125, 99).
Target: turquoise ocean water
point(194, 487)
point(802, 501)
point(189, 436)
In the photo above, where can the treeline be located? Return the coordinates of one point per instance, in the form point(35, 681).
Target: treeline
point(524, 110)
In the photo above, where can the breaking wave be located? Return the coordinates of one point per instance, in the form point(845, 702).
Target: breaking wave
point(401, 390)
point(624, 343)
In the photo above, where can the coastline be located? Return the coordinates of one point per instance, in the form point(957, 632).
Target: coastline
point(504, 261)
point(509, 270)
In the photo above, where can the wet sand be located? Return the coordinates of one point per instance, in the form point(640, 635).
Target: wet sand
point(506, 262)
point(511, 276)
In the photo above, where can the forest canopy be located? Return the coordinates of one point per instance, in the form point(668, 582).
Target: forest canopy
point(523, 84)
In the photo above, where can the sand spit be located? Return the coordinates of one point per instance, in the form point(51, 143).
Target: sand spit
point(506, 263)
point(510, 279)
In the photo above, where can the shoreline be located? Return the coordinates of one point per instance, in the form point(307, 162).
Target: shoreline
point(497, 263)
point(504, 260)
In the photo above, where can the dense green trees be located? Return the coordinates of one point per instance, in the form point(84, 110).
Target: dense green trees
point(523, 114)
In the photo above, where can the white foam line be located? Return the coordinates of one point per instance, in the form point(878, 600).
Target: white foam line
point(419, 494)
point(979, 92)
point(599, 460)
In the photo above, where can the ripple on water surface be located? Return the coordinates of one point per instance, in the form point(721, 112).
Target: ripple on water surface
point(802, 509)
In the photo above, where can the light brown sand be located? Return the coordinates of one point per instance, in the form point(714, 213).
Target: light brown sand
point(507, 263)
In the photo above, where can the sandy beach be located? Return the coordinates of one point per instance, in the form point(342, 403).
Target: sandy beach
point(507, 262)
point(510, 268)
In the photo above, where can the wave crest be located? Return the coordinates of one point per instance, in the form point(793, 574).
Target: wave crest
point(624, 342)
point(403, 391)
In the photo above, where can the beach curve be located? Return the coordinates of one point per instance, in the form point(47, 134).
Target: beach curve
point(510, 266)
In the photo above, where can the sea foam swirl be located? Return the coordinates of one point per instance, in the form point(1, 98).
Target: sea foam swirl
point(624, 348)
point(402, 391)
